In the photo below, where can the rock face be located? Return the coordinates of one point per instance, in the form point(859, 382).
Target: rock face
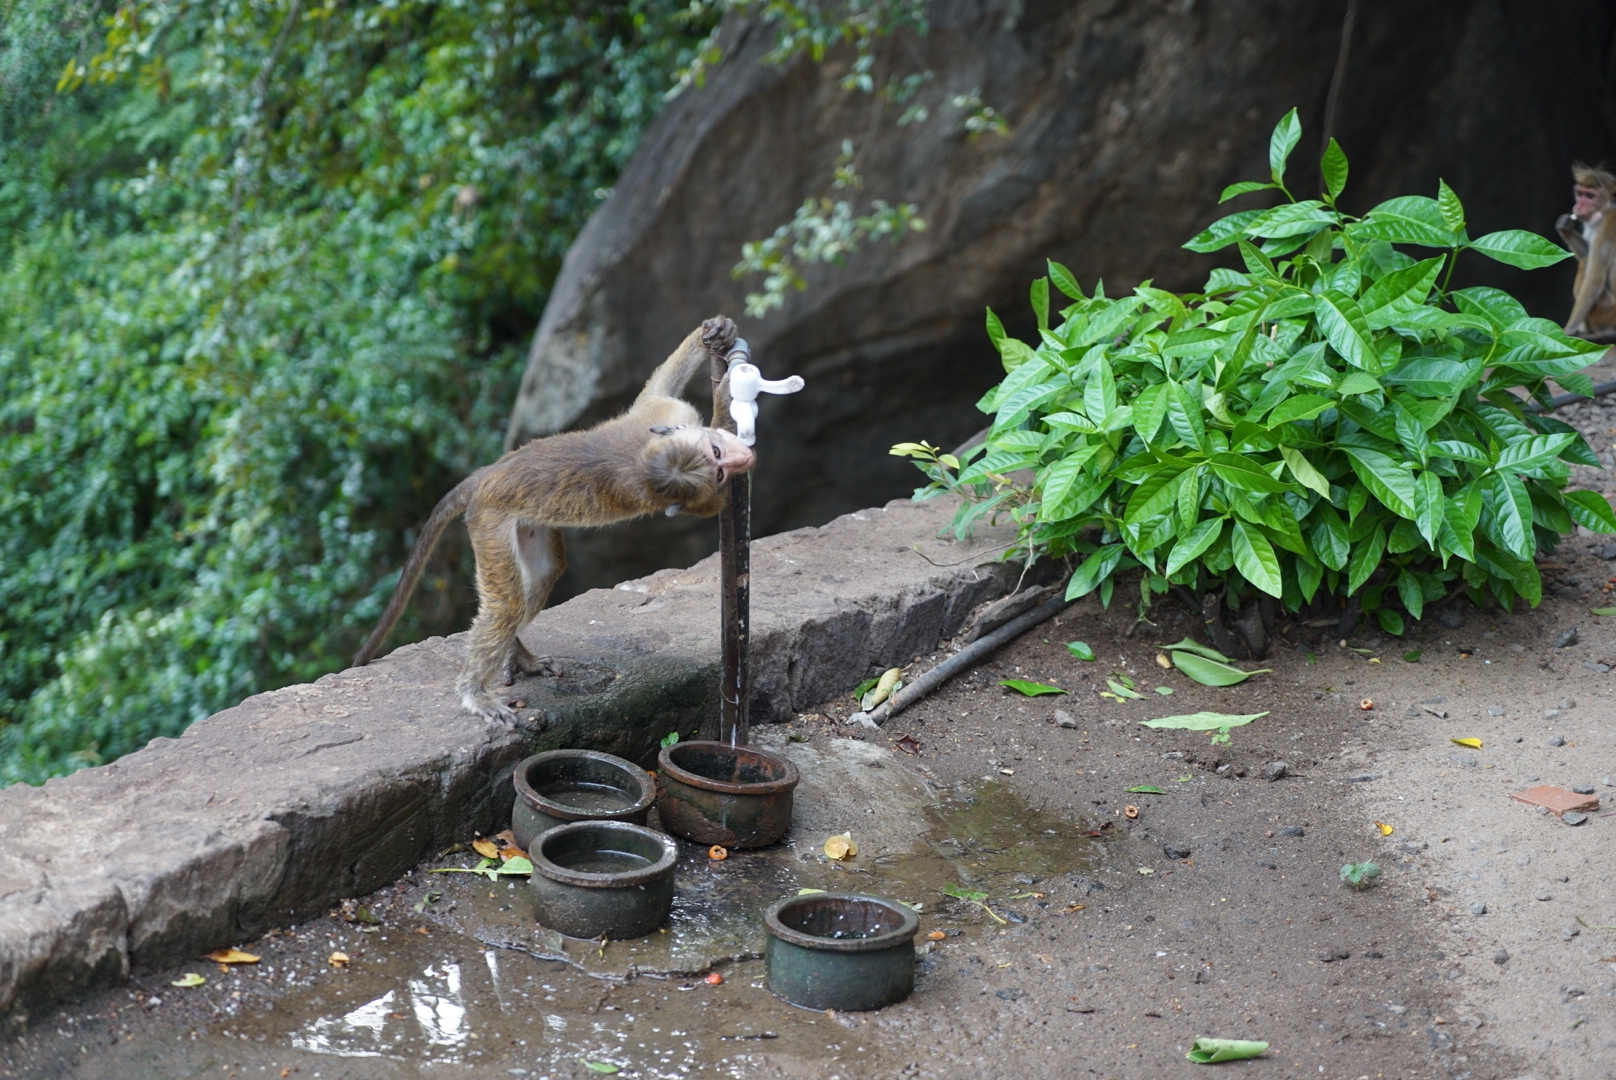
point(1125, 122)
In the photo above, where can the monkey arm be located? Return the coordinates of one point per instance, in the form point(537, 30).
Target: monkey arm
point(1570, 230)
point(713, 338)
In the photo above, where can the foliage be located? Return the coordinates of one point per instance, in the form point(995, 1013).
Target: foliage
point(1329, 417)
point(1360, 875)
point(269, 271)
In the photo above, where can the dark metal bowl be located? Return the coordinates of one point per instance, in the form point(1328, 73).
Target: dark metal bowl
point(841, 951)
point(594, 878)
point(714, 793)
point(605, 788)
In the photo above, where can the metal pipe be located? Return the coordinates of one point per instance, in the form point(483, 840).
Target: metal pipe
point(735, 562)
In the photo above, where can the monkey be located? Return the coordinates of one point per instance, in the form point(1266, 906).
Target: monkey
point(654, 457)
point(1590, 232)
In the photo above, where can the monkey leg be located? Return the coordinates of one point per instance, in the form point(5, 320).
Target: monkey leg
point(501, 610)
point(541, 559)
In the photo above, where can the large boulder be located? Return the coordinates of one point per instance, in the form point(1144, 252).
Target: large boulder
point(1125, 121)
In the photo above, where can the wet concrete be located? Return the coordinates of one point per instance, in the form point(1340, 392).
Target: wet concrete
point(454, 972)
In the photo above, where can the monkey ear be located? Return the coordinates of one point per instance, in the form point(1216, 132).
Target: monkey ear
point(663, 429)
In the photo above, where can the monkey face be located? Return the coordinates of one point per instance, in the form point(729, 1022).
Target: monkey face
point(1588, 202)
point(730, 456)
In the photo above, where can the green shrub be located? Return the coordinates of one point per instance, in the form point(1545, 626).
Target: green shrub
point(1330, 417)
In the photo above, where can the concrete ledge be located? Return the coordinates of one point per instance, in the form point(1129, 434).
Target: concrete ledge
point(270, 811)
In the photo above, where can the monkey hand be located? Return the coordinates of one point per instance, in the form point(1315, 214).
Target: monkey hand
point(718, 334)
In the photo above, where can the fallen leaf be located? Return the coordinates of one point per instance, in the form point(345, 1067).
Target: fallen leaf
point(841, 846)
point(504, 838)
point(1164, 691)
point(1190, 645)
point(1202, 721)
point(1146, 871)
point(718, 853)
point(1413, 655)
point(1210, 1051)
point(908, 745)
point(1474, 744)
point(1186, 778)
point(1385, 829)
point(1080, 649)
point(1211, 672)
point(1146, 789)
point(1123, 691)
point(808, 892)
point(189, 979)
point(1602, 611)
point(599, 1066)
point(1030, 689)
point(337, 959)
point(1130, 812)
point(1162, 662)
point(512, 852)
point(884, 688)
point(485, 847)
point(230, 956)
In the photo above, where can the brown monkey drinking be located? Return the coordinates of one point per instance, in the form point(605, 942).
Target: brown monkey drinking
point(1590, 232)
point(655, 457)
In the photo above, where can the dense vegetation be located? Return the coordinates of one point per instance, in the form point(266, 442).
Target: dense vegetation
point(270, 268)
point(1327, 421)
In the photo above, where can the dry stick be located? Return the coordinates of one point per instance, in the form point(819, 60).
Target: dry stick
point(960, 661)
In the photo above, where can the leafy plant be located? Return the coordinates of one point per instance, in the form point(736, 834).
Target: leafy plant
point(1329, 418)
point(1029, 688)
point(1360, 875)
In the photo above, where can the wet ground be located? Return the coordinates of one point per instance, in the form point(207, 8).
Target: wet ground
point(1106, 942)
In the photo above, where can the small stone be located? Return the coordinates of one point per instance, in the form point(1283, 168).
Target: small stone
point(1520, 738)
point(1364, 778)
point(1009, 993)
point(1558, 740)
point(1025, 879)
point(1174, 755)
point(1452, 619)
point(1267, 865)
point(1608, 781)
point(1225, 769)
point(1479, 907)
point(1607, 551)
point(1583, 789)
point(1065, 719)
point(1573, 817)
point(1293, 830)
point(1554, 714)
point(1330, 956)
point(1274, 770)
point(1494, 710)
point(1570, 932)
point(1501, 956)
point(1176, 851)
point(1603, 669)
point(1468, 761)
point(1541, 895)
point(1566, 639)
point(1397, 1010)
point(1412, 711)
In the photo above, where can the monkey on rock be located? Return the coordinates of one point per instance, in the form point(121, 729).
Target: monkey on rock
point(1590, 232)
point(655, 457)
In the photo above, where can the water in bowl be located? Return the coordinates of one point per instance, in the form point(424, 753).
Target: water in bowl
point(588, 798)
point(602, 861)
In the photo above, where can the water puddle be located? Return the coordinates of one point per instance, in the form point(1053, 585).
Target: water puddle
point(502, 993)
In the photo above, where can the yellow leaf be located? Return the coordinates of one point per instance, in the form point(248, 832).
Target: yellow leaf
point(190, 978)
point(841, 846)
point(1474, 744)
point(486, 848)
point(231, 956)
point(1385, 829)
point(338, 959)
point(883, 689)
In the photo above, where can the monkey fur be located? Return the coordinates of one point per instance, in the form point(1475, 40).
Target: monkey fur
point(1590, 232)
point(655, 457)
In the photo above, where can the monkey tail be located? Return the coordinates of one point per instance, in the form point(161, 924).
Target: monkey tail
point(449, 507)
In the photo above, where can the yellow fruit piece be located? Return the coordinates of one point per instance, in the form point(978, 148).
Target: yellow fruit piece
point(231, 956)
point(1474, 744)
point(841, 846)
point(1385, 829)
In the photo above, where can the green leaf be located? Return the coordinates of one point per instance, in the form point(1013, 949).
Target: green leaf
point(1211, 672)
point(1190, 645)
point(1254, 558)
point(1342, 322)
point(1298, 408)
point(1528, 454)
point(1333, 167)
point(1205, 1051)
point(1408, 219)
point(605, 1067)
point(1202, 721)
point(1122, 691)
point(1413, 656)
point(1365, 558)
point(1511, 506)
point(1030, 689)
point(1448, 204)
point(1223, 232)
point(1145, 789)
point(1590, 510)
point(1411, 592)
point(1184, 412)
point(1242, 188)
point(1524, 250)
point(1149, 409)
point(1329, 538)
point(1095, 569)
point(1080, 649)
point(1039, 295)
point(1399, 292)
point(1292, 219)
point(1245, 474)
point(1164, 691)
point(1388, 481)
point(1287, 133)
point(1193, 544)
point(1065, 281)
point(1603, 612)
point(189, 979)
point(1303, 470)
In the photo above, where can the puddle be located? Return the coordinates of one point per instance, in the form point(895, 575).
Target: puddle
point(489, 993)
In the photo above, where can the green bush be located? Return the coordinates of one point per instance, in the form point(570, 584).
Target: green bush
point(1329, 418)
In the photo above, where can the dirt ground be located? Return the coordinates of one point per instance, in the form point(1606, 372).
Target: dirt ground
point(1485, 951)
